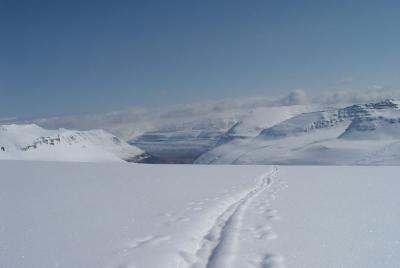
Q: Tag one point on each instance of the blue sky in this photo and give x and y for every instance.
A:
(60, 57)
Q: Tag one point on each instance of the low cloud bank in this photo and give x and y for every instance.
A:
(296, 97)
(346, 97)
(130, 123)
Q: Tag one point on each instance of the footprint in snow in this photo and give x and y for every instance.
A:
(271, 214)
(272, 261)
(179, 219)
(148, 241)
(263, 232)
(261, 209)
(187, 257)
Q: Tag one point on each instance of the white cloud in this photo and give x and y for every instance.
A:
(296, 97)
(132, 122)
(376, 93)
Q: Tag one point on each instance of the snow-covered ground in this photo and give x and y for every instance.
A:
(120, 215)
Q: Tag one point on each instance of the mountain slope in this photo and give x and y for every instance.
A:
(184, 142)
(358, 134)
(251, 132)
(31, 142)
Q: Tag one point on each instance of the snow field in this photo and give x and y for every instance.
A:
(120, 215)
(115, 214)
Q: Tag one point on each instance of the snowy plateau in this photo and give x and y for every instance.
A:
(121, 215)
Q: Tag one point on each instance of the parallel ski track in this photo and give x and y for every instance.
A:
(219, 245)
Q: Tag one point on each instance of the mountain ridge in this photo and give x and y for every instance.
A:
(340, 136)
(31, 142)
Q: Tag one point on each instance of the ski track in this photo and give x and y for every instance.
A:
(218, 247)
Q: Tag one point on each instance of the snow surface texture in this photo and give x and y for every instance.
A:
(366, 134)
(31, 142)
(119, 215)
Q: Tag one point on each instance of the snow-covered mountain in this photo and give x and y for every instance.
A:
(31, 142)
(130, 123)
(357, 134)
(287, 130)
(184, 142)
